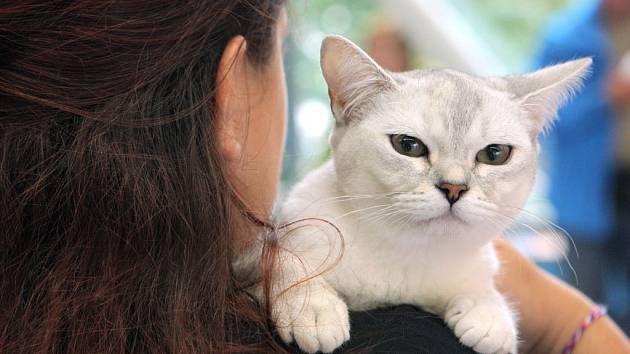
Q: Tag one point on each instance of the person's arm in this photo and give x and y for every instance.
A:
(551, 311)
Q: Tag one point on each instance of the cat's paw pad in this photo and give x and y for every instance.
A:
(317, 319)
(482, 323)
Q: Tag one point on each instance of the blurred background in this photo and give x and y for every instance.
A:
(577, 222)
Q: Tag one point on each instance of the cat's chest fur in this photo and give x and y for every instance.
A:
(381, 265)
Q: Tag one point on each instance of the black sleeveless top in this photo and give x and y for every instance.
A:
(399, 330)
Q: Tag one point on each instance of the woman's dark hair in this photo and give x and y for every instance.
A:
(116, 218)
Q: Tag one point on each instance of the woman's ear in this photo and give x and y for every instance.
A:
(231, 100)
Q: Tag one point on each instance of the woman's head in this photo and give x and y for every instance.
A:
(129, 134)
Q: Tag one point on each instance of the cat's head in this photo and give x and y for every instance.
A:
(439, 148)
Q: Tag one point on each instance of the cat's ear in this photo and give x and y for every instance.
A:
(353, 78)
(543, 92)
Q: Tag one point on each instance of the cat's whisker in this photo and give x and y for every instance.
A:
(499, 226)
(361, 210)
(401, 221)
(553, 229)
(383, 217)
(392, 216)
(558, 240)
(376, 213)
(547, 223)
(346, 198)
(514, 222)
(408, 220)
(555, 237)
(397, 217)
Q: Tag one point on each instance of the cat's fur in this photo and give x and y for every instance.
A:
(402, 241)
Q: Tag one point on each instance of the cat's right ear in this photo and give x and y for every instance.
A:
(353, 78)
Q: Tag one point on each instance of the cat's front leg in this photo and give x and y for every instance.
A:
(483, 321)
(312, 315)
(305, 309)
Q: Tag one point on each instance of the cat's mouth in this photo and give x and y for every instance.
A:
(447, 217)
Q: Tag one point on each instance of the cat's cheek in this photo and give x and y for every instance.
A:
(403, 176)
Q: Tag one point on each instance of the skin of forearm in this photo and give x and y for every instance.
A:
(559, 314)
(552, 311)
(520, 282)
(572, 307)
(604, 336)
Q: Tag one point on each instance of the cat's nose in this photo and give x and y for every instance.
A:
(452, 192)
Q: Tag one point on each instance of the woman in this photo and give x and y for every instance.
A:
(140, 147)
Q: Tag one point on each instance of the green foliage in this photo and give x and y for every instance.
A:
(310, 21)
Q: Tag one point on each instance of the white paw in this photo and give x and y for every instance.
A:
(314, 316)
(483, 323)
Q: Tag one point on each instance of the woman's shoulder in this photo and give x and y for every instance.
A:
(400, 329)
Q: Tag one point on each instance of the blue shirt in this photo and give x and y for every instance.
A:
(580, 147)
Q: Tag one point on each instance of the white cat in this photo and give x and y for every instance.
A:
(428, 167)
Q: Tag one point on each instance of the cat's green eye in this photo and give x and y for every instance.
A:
(409, 146)
(495, 154)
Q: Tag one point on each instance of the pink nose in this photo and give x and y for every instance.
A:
(452, 192)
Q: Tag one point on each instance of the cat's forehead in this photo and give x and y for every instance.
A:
(457, 95)
(452, 106)
(445, 78)
(455, 91)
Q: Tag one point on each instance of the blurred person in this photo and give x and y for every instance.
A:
(387, 46)
(619, 93)
(581, 146)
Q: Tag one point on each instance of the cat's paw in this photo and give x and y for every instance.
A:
(314, 317)
(483, 323)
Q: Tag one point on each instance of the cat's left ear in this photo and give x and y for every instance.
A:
(543, 92)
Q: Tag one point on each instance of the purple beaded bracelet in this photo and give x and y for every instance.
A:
(597, 312)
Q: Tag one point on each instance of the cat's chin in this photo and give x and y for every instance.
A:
(450, 221)
(446, 218)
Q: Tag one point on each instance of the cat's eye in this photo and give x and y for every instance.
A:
(494, 154)
(409, 146)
